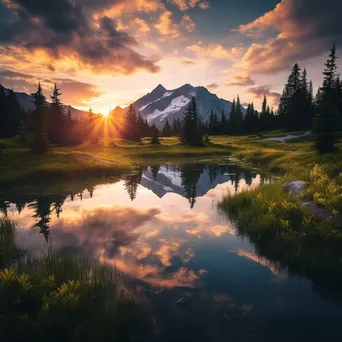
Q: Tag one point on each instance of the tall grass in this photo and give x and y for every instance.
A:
(282, 231)
(58, 297)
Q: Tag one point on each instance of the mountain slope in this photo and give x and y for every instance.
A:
(162, 104)
(27, 103)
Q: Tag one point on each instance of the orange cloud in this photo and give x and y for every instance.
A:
(188, 23)
(166, 26)
(303, 32)
(241, 81)
(184, 5)
(215, 50)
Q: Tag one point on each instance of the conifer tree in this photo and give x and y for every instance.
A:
(40, 136)
(190, 131)
(57, 122)
(235, 121)
(155, 135)
(167, 131)
(327, 120)
(130, 131)
(223, 125)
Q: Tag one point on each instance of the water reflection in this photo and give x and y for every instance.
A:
(159, 225)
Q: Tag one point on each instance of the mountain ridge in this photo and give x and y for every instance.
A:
(162, 104)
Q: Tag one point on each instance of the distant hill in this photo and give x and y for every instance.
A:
(27, 102)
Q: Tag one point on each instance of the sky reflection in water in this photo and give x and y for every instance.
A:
(161, 228)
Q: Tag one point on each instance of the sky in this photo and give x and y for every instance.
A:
(104, 53)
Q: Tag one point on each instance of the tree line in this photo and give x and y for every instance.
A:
(298, 110)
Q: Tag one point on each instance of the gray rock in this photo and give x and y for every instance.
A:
(295, 188)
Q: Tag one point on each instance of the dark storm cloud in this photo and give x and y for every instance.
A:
(307, 28)
(62, 29)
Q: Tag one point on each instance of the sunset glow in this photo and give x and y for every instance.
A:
(118, 52)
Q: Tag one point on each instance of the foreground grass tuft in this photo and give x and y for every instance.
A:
(61, 298)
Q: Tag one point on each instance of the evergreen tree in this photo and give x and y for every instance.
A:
(130, 131)
(211, 127)
(223, 125)
(40, 136)
(10, 114)
(235, 121)
(327, 120)
(190, 131)
(57, 122)
(167, 131)
(248, 124)
(155, 135)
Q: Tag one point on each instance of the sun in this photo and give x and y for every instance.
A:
(106, 115)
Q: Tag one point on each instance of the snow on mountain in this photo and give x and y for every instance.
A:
(27, 103)
(162, 104)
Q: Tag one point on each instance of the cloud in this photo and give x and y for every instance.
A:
(184, 5)
(188, 62)
(62, 30)
(103, 231)
(241, 81)
(188, 23)
(73, 92)
(306, 29)
(264, 90)
(214, 50)
(212, 86)
(166, 26)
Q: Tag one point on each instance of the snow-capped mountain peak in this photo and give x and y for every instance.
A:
(161, 104)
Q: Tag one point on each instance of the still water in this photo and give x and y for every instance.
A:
(199, 280)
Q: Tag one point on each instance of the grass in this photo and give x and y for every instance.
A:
(19, 166)
(284, 232)
(58, 297)
(278, 224)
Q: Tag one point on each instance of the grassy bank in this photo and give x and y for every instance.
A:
(281, 228)
(19, 166)
(59, 297)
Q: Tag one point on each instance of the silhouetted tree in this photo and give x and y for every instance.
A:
(190, 131)
(40, 135)
(327, 121)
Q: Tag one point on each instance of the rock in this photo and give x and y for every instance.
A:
(295, 188)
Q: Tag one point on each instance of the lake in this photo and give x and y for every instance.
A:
(198, 279)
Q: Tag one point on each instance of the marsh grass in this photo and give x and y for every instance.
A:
(60, 297)
(284, 232)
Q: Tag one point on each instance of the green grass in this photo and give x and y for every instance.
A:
(19, 166)
(284, 232)
(58, 297)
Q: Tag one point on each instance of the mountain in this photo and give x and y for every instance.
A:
(27, 103)
(162, 104)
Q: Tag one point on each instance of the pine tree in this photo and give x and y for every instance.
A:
(327, 120)
(223, 125)
(130, 131)
(248, 124)
(57, 120)
(211, 127)
(190, 131)
(155, 135)
(235, 121)
(167, 131)
(40, 136)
